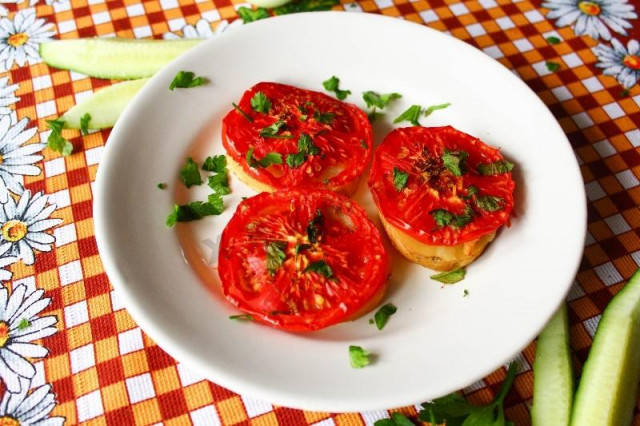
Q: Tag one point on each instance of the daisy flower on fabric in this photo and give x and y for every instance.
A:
(592, 17)
(16, 157)
(20, 409)
(620, 62)
(202, 29)
(19, 326)
(7, 95)
(22, 226)
(20, 38)
(4, 274)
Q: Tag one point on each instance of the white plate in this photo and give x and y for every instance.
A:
(439, 341)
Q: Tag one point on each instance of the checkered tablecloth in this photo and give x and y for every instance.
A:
(69, 349)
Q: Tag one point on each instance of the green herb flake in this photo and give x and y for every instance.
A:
(489, 203)
(275, 256)
(248, 15)
(332, 85)
(303, 117)
(272, 131)
(84, 123)
(298, 6)
(189, 174)
(272, 158)
(552, 66)
(24, 324)
(397, 419)
(219, 183)
(364, 144)
(461, 220)
(454, 161)
(358, 357)
(383, 314)
(320, 267)
(412, 115)
(217, 163)
(400, 179)
(471, 191)
(450, 277)
(306, 145)
(315, 227)
(553, 40)
(465, 293)
(442, 217)
(162, 186)
(495, 168)
(195, 210)
(373, 115)
(55, 141)
(324, 117)
(433, 108)
(375, 100)
(260, 103)
(242, 113)
(296, 160)
(186, 80)
(245, 317)
(301, 248)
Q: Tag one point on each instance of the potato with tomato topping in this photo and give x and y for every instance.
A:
(441, 194)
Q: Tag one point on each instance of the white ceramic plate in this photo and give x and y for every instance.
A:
(439, 341)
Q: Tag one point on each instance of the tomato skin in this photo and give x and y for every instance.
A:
(345, 141)
(293, 298)
(430, 187)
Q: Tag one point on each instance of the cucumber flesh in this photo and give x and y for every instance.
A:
(114, 58)
(104, 106)
(607, 392)
(553, 374)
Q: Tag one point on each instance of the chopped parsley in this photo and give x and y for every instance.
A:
(84, 123)
(296, 160)
(358, 357)
(397, 419)
(465, 293)
(495, 168)
(315, 227)
(55, 141)
(162, 186)
(450, 277)
(364, 144)
(270, 159)
(260, 103)
(375, 100)
(332, 84)
(320, 267)
(553, 40)
(186, 80)
(297, 6)
(324, 117)
(455, 161)
(248, 15)
(189, 174)
(383, 314)
(399, 179)
(305, 147)
(489, 203)
(24, 324)
(275, 256)
(302, 247)
(272, 131)
(195, 210)
(471, 191)
(432, 108)
(412, 115)
(245, 317)
(219, 183)
(241, 112)
(444, 218)
(217, 163)
(552, 66)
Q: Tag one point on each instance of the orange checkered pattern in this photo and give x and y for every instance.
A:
(105, 370)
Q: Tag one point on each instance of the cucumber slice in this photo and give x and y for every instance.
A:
(607, 392)
(104, 106)
(113, 58)
(553, 374)
(268, 4)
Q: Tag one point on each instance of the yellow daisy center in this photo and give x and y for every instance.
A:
(14, 230)
(17, 40)
(9, 421)
(632, 61)
(4, 336)
(590, 8)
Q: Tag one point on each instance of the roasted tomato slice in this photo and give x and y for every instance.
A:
(302, 260)
(440, 185)
(280, 136)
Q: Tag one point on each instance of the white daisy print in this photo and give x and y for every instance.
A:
(620, 62)
(17, 158)
(7, 96)
(4, 274)
(592, 17)
(20, 38)
(202, 29)
(22, 226)
(19, 326)
(20, 409)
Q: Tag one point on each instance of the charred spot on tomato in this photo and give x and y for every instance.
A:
(315, 226)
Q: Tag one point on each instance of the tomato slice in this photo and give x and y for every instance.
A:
(457, 188)
(336, 146)
(302, 260)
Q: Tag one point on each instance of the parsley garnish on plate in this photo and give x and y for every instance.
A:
(455, 161)
(245, 317)
(195, 210)
(305, 147)
(321, 268)
(162, 186)
(399, 179)
(219, 183)
(242, 113)
(297, 6)
(55, 141)
(332, 85)
(84, 123)
(324, 117)
(432, 108)
(272, 131)
(270, 159)
(275, 256)
(248, 15)
(358, 357)
(189, 174)
(450, 277)
(377, 101)
(260, 103)
(444, 218)
(383, 314)
(495, 168)
(186, 80)
(216, 163)
(412, 115)
(397, 419)
(489, 203)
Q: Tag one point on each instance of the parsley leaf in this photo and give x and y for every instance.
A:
(219, 183)
(55, 141)
(441, 217)
(444, 218)
(411, 115)
(248, 15)
(84, 123)
(275, 256)
(397, 419)
(432, 108)
(375, 100)
(260, 103)
(217, 163)
(296, 160)
(302, 247)
(383, 314)
(471, 191)
(553, 40)
(24, 324)
(241, 112)
(189, 174)
(552, 66)
(399, 179)
(315, 227)
(324, 117)
(332, 84)
(358, 357)
(495, 168)
(245, 317)
(450, 277)
(305, 6)
(455, 161)
(270, 159)
(272, 131)
(364, 144)
(465, 293)
(195, 210)
(489, 203)
(162, 186)
(321, 268)
(461, 220)
(186, 80)
(306, 145)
